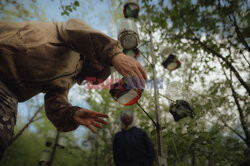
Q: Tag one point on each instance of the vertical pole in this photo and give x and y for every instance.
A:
(54, 150)
(161, 161)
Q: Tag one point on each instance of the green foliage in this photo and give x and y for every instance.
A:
(12, 10)
(67, 9)
(215, 136)
(27, 150)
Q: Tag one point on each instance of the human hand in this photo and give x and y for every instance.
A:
(90, 118)
(129, 67)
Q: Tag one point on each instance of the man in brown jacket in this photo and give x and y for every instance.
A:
(50, 57)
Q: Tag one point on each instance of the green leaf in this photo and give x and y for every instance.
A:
(76, 3)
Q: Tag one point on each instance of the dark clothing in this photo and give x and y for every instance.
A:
(133, 147)
(50, 57)
(8, 111)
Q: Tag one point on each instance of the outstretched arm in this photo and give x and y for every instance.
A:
(66, 117)
(99, 49)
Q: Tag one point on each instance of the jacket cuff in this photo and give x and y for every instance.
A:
(115, 50)
(71, 119)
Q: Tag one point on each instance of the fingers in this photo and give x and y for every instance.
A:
(83, 113)
(91, 128)
(143, 72)
(124, 65)
(131, 83)
(140, 79)
(97, 125)
(139, 73)
(101, 121)
(135, 81)
(139, 70)
(98, 114)
(91, 123)
(91, 118)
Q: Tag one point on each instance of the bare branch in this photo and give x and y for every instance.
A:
(241, 52)
(234, 131)
(27, 125)
(239, 34)
(241, 115)
(215, 53)
(225, 123)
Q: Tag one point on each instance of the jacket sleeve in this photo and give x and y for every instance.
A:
(149, 147)
(84, 39)
(59, 111)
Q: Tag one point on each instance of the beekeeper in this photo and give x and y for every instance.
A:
(50, 57)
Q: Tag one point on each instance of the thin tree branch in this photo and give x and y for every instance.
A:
(205, 46)
(27, 125)
(38, 118)
(166, 97)
(239, 34)
(242, 119)
(143, 24)
(145, 57)
(233, 130)
(241, 52)
(146, 42)
(226, 125)
(241, 115)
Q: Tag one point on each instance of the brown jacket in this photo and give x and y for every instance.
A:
(50, 57)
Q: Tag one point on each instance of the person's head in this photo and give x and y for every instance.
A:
(127, 119)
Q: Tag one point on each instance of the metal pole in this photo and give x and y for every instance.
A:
(54, 150)
(161, 160)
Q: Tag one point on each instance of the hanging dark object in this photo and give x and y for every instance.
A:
(124, 94)
(171, 63)
(181, 109)
(131, 9)
(134, 53)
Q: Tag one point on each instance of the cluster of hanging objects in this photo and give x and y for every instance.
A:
(129, 37)
(122, 91)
